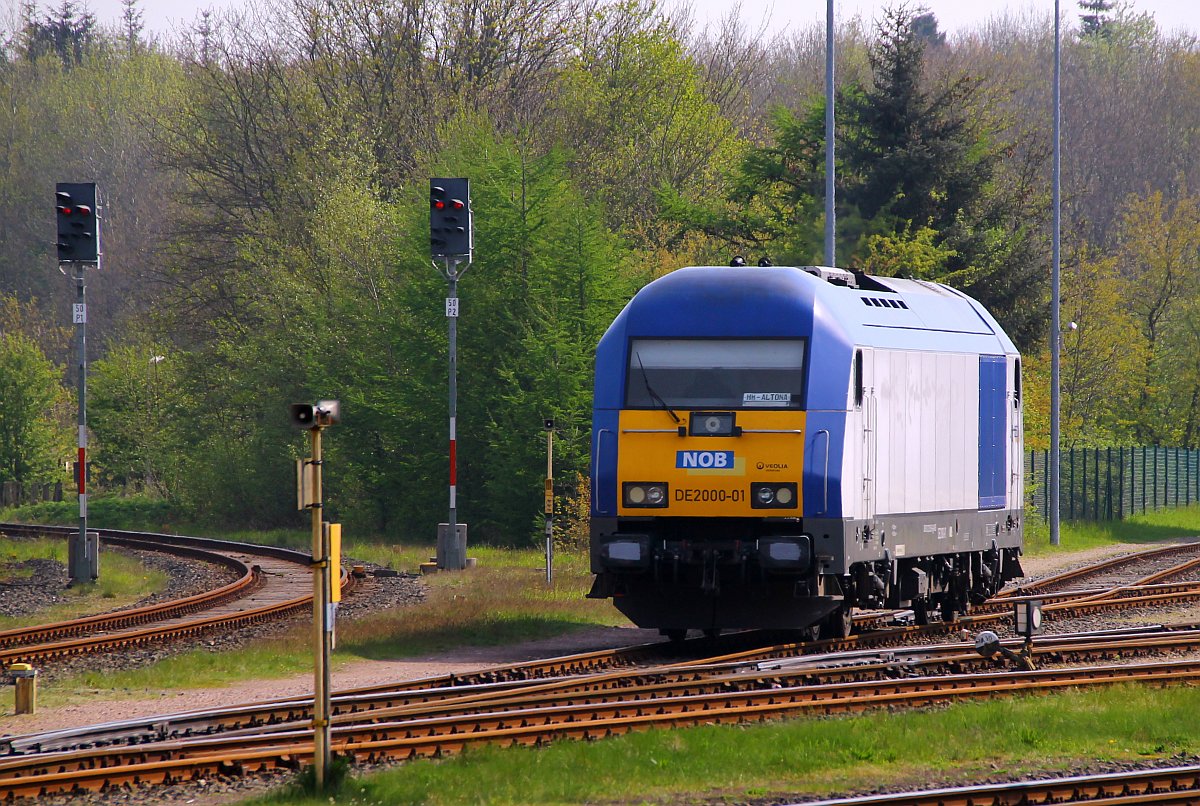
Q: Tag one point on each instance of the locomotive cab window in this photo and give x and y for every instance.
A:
(715, 373)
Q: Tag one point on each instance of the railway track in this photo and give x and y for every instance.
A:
(604, 693)
(1178, 785)
(272, 583)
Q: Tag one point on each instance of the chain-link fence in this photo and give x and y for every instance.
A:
(1099, 484)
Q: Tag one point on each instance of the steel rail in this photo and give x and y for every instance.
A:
(248, 580)
(299, 708)
(1071, 575)
(48, 774)
(668, 682)
(1156, 785)
(127, 628)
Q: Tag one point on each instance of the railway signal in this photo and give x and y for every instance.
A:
(326, 551)
(451, 239)
(450, 225)
(77, 213)
(78, 222)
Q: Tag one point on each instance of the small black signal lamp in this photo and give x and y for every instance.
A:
(323, 413)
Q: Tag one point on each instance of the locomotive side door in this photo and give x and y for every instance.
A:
(865, 402)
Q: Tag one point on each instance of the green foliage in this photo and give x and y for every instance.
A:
(132, 512)
(131, 391)
(636, 116)
(34, 440)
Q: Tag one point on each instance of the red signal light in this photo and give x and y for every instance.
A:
(64, 210)
(83, 209)
(457, 204)
(438, 204)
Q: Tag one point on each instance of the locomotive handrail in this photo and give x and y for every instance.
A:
(825, 480)
(596, 464)
(648, 430)
(772, 431)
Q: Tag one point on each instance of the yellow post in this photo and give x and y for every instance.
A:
(25, 679)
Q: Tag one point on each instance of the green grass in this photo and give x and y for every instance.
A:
(958, 744)
(123, 580)
(1152, 527)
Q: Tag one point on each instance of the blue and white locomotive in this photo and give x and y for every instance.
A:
(775, 446)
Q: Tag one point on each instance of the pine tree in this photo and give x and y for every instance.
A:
(1096, 23)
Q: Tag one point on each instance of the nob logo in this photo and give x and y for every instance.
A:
(704, 459)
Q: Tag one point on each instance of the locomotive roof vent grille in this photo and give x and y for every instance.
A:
(884, 303)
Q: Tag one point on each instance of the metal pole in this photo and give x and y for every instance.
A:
(79, 568)
(454, 558)
(549, 506)
(830, 215)
(1055, 295)
(320, 561)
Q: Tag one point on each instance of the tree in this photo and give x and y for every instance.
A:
(920, 179)
(133, 395)
(635, 113)
(1095, 22)
(925, 27)
(913, 154)
(132, 23)
(1160, 261)
(67, 33)
(32, 434)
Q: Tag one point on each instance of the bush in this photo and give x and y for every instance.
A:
(135, 513)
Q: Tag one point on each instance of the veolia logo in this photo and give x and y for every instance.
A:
(704, 459)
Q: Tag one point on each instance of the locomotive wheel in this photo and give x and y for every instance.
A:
(838, 624)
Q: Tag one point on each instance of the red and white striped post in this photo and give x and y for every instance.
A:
(452, 552)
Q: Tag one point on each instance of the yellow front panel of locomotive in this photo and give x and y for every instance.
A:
(710, 477)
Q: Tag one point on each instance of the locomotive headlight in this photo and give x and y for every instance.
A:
(773, 495)
(626, 551)
(713, 424)
(651, 494)
(785, 553)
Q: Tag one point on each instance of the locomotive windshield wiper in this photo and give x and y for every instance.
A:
(653, 394)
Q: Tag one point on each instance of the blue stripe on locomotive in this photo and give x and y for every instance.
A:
(787, 302)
